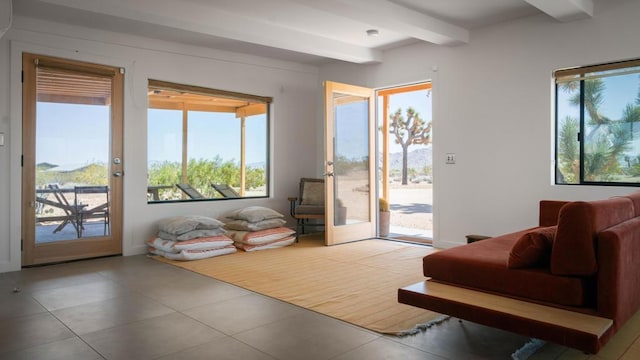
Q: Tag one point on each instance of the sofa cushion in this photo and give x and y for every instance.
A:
(573, 252)
(313, 193)
(254, 214)
(309, 210)
(483, 265)
(635, 198)
(549, 210)
(532, 249)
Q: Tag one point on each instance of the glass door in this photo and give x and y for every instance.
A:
(72, 160)
(350, 163)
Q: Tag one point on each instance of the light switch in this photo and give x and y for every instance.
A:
(1, 139)
(451, 158)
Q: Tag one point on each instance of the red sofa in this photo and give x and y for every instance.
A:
(583, 257)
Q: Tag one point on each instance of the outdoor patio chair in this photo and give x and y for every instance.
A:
(308, 208)
(191, 192)
(226, 190)
(70, 210)
(41, 195)
(84, 210)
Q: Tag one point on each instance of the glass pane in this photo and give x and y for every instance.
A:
(612, 129)
(164, 153)
(206, 146)
(256, 150)
(351, 160)
(568, 146)
(213, 151)
(73, 121)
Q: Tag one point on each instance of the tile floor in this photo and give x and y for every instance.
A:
(138, 308)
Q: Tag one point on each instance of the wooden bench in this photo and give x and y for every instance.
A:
(570, 328)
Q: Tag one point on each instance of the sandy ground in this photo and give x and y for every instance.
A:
(411, 205)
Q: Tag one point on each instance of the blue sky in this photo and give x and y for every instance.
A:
(209, 134)
(419, 100)
(72, 134)
(351, 130)
(619, 91)
(353, 134)
(76, 135)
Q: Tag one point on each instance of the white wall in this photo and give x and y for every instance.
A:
(492, 101)
(5, 208)
(294, 88)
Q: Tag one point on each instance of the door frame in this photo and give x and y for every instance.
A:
(384, 145)
(336, 234)
(33, 254)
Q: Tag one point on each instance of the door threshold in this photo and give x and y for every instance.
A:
(410, 238)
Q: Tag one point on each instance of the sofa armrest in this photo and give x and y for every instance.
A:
(549, 210)
(619, 271)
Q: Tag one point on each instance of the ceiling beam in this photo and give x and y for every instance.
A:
(205, 19)
(565, 10)
(404, 21)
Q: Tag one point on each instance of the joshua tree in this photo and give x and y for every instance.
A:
(593, 98)
(408, 130)
(568, 151)
(606, 141)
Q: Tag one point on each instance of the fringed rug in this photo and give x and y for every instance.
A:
(355, 282)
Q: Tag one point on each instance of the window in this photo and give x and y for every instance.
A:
(598, 124)
(206, 144)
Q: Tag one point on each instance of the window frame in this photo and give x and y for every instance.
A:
(253, 105)
(581, 74)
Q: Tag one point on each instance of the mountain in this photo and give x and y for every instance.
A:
(45, 166)
(418, 159)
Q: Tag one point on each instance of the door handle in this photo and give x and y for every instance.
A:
(330, 173)
(117, 174)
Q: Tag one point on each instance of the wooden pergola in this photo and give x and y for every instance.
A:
(171, 96)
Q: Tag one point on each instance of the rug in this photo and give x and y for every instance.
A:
(355, 282)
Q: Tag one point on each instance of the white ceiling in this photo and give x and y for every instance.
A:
(306, 31)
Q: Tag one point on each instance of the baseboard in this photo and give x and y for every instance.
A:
(446, 244)
(8, 266)
(136, 250)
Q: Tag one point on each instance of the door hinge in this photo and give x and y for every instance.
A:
(21, 160)
(578, 136)
(22, 76)
(21, 245)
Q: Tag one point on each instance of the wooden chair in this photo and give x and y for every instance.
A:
(84, 212)
(309, 205)
(191, 192)
(226, 190)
